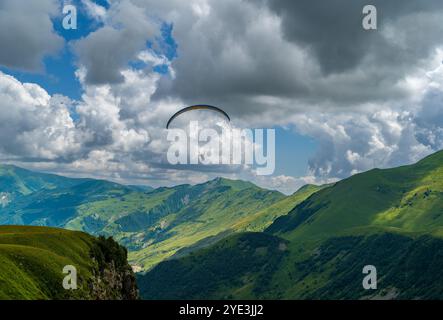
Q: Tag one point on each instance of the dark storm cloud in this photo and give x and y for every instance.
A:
(26, 33)
(333, 30)
(228, 59)
(253, 56)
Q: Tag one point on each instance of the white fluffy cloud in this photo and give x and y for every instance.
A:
(381, 135)
(32, 123)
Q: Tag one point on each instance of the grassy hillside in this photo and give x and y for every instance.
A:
(261, 266)
(260, 220)
(32, 260)
(391, 218)
(221, 271)
(408, 198)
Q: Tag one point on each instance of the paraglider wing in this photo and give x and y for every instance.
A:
(197, 107)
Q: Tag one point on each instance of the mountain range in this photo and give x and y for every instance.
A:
(230, 239)
(153, 224)
(391, 219)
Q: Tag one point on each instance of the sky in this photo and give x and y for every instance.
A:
(94, 101)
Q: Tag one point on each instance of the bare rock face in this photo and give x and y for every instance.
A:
(113, 278)
(113, 284)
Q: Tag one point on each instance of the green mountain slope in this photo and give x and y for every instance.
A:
(32, 261)
(389, 218)
(260, 220)
(262, 266)
(407, 198)
(223, 270)
(221, 207)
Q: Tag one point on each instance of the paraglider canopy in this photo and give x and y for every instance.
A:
(197, 107)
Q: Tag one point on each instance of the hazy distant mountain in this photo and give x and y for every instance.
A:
(16, 181)
(142, 188)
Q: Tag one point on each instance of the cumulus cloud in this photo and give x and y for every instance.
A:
(230, 60)
(27, 34)
(34, 124)
(365, 96)
(352, 143)
(105, 52)
(301, 53)
(382, 135)
(370, 99)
